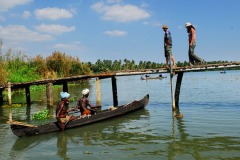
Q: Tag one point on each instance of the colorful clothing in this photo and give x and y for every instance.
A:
(167, 44)
(82, 105)
(167, 39)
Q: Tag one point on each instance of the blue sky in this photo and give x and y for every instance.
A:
(119, 29)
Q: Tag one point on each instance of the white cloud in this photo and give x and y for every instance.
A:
(26, 14)
(120, 13)
(21, 33)
(8, 4)
(54, 28)
(153, 23)
(75, 46)
(113, 1)
(53, 13)
(116, 33)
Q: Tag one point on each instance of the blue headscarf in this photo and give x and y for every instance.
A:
(64, 95)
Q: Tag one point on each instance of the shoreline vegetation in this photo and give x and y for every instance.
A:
(18, 67)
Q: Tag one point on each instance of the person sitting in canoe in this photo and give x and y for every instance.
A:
(84, 102)
(62, 111)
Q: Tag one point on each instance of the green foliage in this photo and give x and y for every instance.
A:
(23, 74)
(65, 65)
(40, 115)
(40, 66)
(3, 74)
(14, 105)
(109, 66)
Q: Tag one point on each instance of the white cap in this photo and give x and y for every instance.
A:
(188, 24)
(85, 91)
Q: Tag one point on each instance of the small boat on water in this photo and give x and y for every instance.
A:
(146, 77)
(223, 72)
(21, 129)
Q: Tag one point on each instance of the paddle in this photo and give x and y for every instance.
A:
(20, 123)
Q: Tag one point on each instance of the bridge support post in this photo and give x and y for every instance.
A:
(114, 91)
(177, 90)
(171, 82)
(65, 87)
(172, 93)
(9, 94)
(1, 97)
(98, 92)
(49, 94)
(27, 93)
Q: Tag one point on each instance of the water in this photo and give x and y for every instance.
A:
(209, 129)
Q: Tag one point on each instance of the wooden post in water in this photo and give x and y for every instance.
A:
(9, 94)
(114, 91)
(49, 94)
(177, 90)
(171, 82)
(27, 93)
(1, 97)
(65, 87)
(98, 92)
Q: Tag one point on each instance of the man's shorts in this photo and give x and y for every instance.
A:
(167, 51)
(64, 120)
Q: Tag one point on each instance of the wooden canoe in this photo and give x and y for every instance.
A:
(22, 130)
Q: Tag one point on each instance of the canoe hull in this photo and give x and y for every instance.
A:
(20, 130)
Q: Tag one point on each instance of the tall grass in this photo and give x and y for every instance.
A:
(3, 73)
(18, 67)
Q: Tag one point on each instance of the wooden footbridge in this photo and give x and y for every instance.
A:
(178, 71)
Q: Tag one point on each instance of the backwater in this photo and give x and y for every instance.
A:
(209, 129)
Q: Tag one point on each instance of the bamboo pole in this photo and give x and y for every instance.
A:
(98, 92)
(9, 94)
(171, 81)
(49, 94)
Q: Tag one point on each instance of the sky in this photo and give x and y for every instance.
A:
(120, 29)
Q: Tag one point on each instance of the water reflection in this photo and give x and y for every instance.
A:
(86, 135)
(208, 130)
(122, 136)
(63, 139)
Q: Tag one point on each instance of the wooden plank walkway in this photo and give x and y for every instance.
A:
(64, 81)
(59, 81)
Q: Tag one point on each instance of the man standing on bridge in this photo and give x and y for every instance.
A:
(192, 44)
(168, 46)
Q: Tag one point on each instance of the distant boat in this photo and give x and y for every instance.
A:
(223, 71)
(146, 77)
